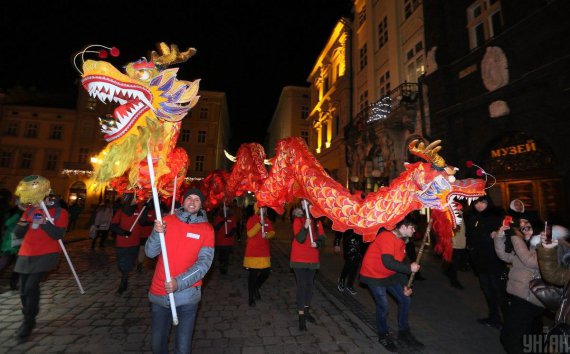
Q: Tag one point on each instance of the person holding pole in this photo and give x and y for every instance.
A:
(39, 253)
(124, 225)
(257, 256)
(226, 228)
(384, 271)
(189, 242)
(308, 237)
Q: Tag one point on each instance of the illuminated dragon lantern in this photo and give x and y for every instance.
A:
(151, 104)
(296, 173)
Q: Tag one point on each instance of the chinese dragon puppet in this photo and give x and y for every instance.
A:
(152, 103)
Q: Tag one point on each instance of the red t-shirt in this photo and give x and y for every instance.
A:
(221, 238)
(385, 243)
(125, 222)
(36, 241)
(183, 243)
(303, 252)
(258, 246)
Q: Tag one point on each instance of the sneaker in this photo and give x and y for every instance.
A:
(351, 290)
(408, 338)
(340, 285)
(387, 342)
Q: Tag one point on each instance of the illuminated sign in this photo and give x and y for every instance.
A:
(518, 149)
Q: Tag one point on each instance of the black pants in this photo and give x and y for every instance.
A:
(305, 279)
(30, 295)
(102, 235)
(522, 318)
(224, 257)
(256, 279)
(457, 262)
(493, 287)
(349, 270)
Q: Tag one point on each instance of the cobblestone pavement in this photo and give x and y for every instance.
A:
(100, 321)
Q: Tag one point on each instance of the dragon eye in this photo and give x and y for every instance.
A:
(451, 179)
(143, 75)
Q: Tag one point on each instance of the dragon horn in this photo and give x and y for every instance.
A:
(428, 153)
(170, 55)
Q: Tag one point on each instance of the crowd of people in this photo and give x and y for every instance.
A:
(506, 254)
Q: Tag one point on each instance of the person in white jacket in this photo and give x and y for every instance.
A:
(103, 217)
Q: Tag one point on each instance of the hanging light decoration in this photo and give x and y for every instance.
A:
(380, 109)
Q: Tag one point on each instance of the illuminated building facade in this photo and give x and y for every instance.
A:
(330, 104)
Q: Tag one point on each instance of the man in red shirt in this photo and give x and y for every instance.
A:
(189, 242)
(384, 270)
(127, 241)
(226, 228)
(38, 255)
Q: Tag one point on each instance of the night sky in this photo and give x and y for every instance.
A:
(248, 49)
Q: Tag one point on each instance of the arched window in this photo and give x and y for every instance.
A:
(77, 193)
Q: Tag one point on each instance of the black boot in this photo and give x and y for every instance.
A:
(251, 301)
(302, 323)
(340, 285)
(308, 316)
(124, 283)
(26, 328)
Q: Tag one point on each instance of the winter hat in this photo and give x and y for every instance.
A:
(197, 192)
(512, 205)
(483, 199)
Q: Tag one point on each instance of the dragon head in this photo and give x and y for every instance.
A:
(146, 89)
(438, 187)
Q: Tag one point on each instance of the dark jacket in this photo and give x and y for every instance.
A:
(478, 229)
(352, 245)
(552, 271)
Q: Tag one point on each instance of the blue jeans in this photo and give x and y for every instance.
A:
(381, 299)
(161, 322)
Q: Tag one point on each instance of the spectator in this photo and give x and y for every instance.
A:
(103, 217)
(353, 251)
(74, 211)
(490, 270)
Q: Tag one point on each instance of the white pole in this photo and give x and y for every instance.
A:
(137, 219)
(174, 195)
(306, 207)
(262, 222)
(225, 217)
(161, 236)
(48, 216)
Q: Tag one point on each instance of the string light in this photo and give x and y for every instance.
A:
(76, 172)
(380, 109)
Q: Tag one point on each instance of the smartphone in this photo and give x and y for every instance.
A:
(548, 232)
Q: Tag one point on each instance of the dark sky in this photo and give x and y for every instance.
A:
(248, 49)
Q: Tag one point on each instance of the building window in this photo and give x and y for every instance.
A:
(26, 161)
(363, 57)
(410, 6)
(362, 17)
(363, 100)
(11, 129)
(383, 33)
(305, 136)
(415, 66)
(6, 159)
(335, 126)
(202, 136)
(304, 112)
(83, 155)
(384, 84)
(56, 132)
(484, 21)
(31, 130)
(326, 84)
(199, 163)
(51, 161)
(204, 113)
(185, 135)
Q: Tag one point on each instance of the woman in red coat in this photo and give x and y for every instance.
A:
(257, 257)
(305, 261)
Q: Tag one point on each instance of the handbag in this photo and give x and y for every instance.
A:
(549, 295)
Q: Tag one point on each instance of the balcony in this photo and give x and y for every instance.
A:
(397, 109)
